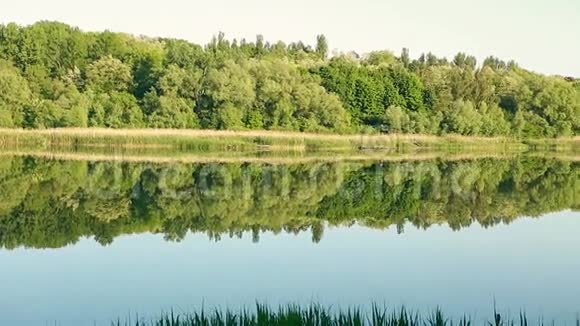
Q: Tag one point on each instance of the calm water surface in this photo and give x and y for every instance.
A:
(84, 242)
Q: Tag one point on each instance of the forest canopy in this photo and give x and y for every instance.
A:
(54, 75)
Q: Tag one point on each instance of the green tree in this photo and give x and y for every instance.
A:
(321, 46)
(147, 68)
(115, 110)
(493, 121)
(405, 58)
(397, 120)
(180, 82)
(378, 58)
(55, 75)
(462, 118)
(169, 111)
(230, 92)
(109, 74)
(15, 96)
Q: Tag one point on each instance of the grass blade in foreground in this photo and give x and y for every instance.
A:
(317, 315)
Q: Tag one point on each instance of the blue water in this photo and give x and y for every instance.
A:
(532, 264)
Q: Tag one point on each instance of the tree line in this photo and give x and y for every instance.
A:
(54, 75)
(51, 204)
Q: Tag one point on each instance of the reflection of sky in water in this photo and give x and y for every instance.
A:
(532, 264)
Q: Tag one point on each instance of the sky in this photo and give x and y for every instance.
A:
(540, 35)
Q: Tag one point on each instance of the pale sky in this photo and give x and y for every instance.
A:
(542, 35)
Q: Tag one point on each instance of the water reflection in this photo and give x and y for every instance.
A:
(51, 204)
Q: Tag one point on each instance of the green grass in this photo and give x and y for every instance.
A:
(317, 315)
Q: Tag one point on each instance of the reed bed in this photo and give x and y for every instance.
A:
(239, 140)
(317, 315)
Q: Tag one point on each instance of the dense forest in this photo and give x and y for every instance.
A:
(50, 204)
(55, 75)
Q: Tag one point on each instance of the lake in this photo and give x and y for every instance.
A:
(88, 241)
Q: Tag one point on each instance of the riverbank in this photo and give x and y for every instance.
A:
(222, 140)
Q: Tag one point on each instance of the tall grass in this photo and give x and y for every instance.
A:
(317, 315)
(239, 140)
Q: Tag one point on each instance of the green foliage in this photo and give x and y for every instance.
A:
(464, 61)
(322, 46)
(397, 120)
(184, 83)
(147, 67)
(115, 110)
(379, 58)
(493, 121)
(462, 118)
(169, 111)
(231, 91)
(54, 75)
(56, 46)
(15, 96)
(109, 74)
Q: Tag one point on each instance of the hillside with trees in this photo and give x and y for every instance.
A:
(53, 75)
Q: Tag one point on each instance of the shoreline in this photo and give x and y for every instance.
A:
(249, 158)
(226, 140)
(276, 158)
